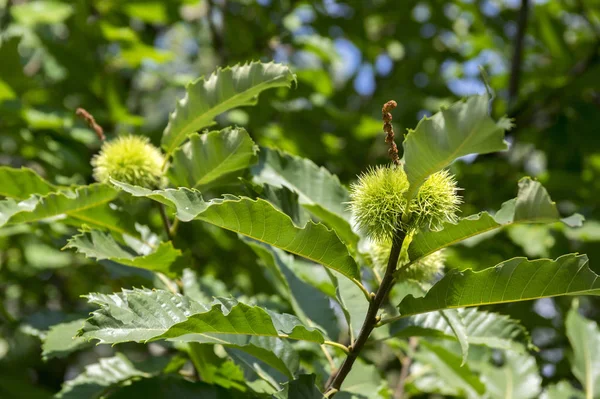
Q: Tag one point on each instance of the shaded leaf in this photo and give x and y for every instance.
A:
(461, 129)
(319, 191)
(517, 378)
(584, 337)
(562, 390)
(69, 202)
(257, 219)
(22, 183)
(447, 366)
(514, 280)
(101, 246)
(301, 388)
(223, 90)
(532, 205)
(480, 327)
(173, 387)
(309, 304)
(62, 340)
(97, 377)
(209, 156)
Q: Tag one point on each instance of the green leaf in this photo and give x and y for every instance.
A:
(100, 246)
(228, 316)
(22, 183)
(447, 366)
(532, 205)
(143, 315)
(98, 377)
(584, 337)
(480, 327)
(225, 89)
(517, 378)
(461, 129)
(275, 352)
(457, 326)
(308, 303)
(174, 387)
(364, 381)
(319, 191)
(514, 280)
(209, 156)
(257, 219)
(562, 390)
(62, 340)
(69, 202)
(301, 388)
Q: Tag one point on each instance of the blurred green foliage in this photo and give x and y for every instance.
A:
(127, 62)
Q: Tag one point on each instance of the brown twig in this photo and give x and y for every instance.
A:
(371, 318)
(406, 362)
(89, 119)
(389, 130)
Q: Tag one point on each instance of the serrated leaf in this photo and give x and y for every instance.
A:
(514, 280)
(62, 340)
(308, 303)
(461, 129)
(223, 90)
(228, 316)
(68, 203)
(481, 328)
(532, 205)
(97, 377)
(319, 191)
(584, 337)
(517, 378)
(260, 220)
(22, 183)
(100, 246)
(209, 156)
(447, 366)
(143, 315)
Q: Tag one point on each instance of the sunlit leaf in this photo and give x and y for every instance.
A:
(532, 205)
(223, 90)
(259, 220)
(209, 156)
(514, 280)
(584, 337)
(97, 245)
(461, 129)
(143, 315)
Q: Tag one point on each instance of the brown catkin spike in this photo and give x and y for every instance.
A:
(389, 130)
(89, 119)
